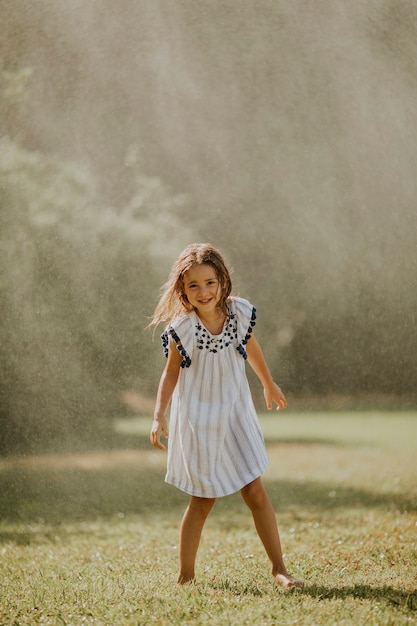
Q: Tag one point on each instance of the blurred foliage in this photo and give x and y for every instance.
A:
(282, 132)
(77, 283)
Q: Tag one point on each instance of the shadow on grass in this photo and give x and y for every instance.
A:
(71, 495)
(332, 496)
(55, 496)
(385, 594)
(388, 595)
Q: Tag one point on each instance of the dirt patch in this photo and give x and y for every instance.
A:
(137, 402)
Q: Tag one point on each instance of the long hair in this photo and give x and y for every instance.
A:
(173, 301)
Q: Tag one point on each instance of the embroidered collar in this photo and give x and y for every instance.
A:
(213, 343)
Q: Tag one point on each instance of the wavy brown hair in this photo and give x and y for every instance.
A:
(173, 301)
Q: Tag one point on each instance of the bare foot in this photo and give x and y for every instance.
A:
(288, 582)
(183, 580)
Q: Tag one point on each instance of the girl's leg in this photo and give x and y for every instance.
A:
(258, 501)
(190, 534)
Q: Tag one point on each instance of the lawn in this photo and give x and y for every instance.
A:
(90, 537)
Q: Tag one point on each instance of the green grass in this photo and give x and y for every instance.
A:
(91, 537)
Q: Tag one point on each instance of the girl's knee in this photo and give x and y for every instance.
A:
(202, 505)
(254, 494)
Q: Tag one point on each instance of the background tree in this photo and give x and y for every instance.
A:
(77, 282)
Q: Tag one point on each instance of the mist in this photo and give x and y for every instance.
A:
(284, 133)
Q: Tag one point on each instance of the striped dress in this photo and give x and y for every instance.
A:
(215, 444)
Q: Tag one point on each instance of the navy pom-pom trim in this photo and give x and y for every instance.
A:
(164, 340)
(252, 323)
(186, 361)
(242, 351)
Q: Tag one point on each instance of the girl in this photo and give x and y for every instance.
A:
(216, 445)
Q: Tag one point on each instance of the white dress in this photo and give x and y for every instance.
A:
(215, 444)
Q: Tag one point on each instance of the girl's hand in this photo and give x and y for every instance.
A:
(272, 393)
(159, 427)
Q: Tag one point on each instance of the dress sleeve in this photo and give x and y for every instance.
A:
(246, 320)
(181, 332)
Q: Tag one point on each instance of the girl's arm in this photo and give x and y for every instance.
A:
(165, 389)
(256, 360)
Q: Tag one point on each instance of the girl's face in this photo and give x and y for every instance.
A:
(202, 288)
